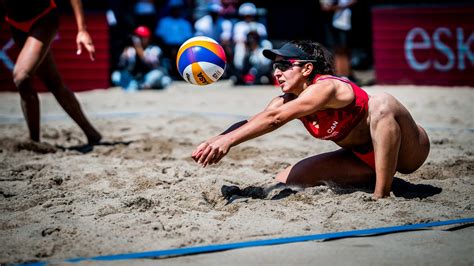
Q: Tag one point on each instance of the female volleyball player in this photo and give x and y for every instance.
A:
(377, 134)
(34, 25)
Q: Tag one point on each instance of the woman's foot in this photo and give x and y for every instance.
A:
(94, 138)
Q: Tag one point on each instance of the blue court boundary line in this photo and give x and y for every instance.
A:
(265, 242)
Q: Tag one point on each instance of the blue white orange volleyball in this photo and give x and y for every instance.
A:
(201, 60)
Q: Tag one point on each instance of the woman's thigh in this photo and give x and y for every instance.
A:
(414, 142)
(340, 167)
(36, 43)
(414, 146)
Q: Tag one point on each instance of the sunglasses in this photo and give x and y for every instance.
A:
(284, 65)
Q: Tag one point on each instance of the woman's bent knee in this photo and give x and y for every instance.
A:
(380, 107)
(282, 178)
(22, 79)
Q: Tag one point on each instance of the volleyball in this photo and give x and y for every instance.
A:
(201, 60)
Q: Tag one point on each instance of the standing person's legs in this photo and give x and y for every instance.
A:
(48, 73)
(156, 79)
(35, 58)
(342, 57)
(34, 46)
(125, 79)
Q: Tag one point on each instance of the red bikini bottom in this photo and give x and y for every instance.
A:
(25, 26)
(367, 157)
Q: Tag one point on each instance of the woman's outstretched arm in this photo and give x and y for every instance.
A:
(212, 151)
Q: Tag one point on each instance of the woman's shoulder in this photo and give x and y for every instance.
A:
(338, 91)
(331, 82)
(328, 93)
(323, 84)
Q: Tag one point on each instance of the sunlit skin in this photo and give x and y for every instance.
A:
(35, 58)
(399, 143)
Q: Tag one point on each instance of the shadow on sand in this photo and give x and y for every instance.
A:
(86, 148)
(407, 190)
(231, 193)
(400, 188)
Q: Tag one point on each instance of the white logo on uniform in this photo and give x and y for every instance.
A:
(333, 127)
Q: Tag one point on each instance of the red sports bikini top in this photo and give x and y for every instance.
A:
(336, 124)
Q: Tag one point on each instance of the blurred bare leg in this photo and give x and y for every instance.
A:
(31, 55)
(49, 74)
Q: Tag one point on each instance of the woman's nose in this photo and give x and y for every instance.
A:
(277, 72)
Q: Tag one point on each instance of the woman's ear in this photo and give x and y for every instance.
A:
(308, 69)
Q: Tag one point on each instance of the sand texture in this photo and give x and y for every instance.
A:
(140, 190)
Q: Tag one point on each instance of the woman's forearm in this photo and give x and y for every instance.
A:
(78, 14)
(258, 125)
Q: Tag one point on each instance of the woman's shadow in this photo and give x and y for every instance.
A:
(400, 188)
(86, 148)
(407, 190)
(273, 192)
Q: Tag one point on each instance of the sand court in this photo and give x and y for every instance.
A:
(141, 191)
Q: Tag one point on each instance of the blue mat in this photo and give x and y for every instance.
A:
(265, 242)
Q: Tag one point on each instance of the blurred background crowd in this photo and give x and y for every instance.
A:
(145, 35)
(155, 30)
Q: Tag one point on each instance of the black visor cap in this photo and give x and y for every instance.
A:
(287, 51)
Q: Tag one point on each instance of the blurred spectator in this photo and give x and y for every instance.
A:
(214, 26)
(248, 13)
(229, 9)
(121, 23)
(201, 8)
(145, 13)
(338, 32)
(172, 31)
(244, 47)
(139, 66)
(163, 8)
(252, 67)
